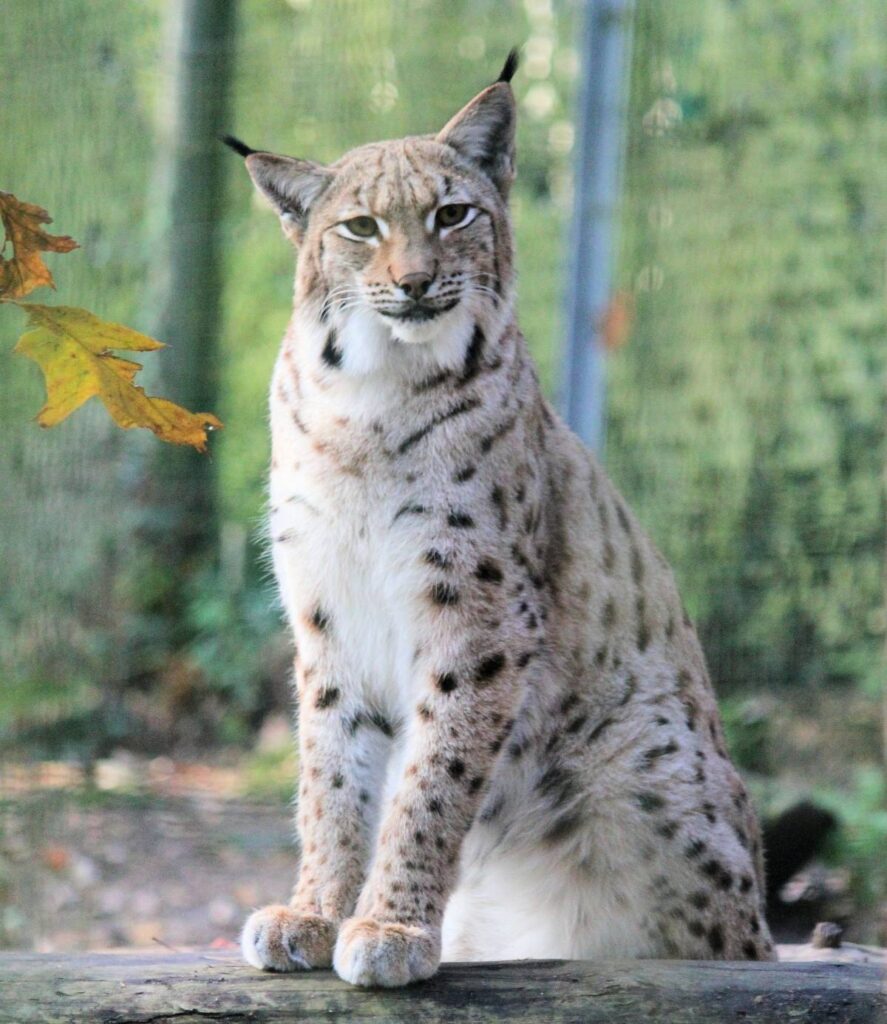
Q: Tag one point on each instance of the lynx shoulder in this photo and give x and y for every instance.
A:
(508, 743)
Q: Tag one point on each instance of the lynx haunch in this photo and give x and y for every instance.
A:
(508, 743)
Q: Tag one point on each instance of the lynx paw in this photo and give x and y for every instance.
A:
(370, 952)
(277, 938)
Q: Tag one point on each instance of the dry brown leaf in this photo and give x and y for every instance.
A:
(25, 270)
(72, 348)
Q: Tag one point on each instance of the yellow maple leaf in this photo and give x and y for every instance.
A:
(25, 270)
(72, 348)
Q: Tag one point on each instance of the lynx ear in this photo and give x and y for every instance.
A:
(483, 130)
(291, 185)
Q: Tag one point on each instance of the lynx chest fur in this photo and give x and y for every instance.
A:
(508, 743)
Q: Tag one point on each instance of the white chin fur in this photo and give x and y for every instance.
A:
(370, 342)
(441, 341)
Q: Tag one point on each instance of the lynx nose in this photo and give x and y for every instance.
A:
(415, 285)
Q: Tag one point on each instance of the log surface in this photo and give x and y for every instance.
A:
(153, 988)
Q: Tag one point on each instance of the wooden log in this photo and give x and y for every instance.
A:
(152, 988)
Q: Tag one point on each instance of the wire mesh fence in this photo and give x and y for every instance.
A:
(745, 406)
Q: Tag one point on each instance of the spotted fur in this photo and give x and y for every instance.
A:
(509, 746)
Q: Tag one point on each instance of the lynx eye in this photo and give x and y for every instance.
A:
(361, 227)
(453, 214)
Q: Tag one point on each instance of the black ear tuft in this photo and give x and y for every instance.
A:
(511, 62)
(239, 147)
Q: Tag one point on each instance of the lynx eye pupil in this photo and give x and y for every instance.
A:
(363, 227)
(451, 214)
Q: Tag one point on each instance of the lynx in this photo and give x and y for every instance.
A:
(508, 743)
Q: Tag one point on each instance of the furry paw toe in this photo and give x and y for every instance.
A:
(370, 952)
(278, 938)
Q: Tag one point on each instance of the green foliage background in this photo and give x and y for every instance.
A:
(745, 414)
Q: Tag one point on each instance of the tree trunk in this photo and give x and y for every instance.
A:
(179, 523)
(192, 170)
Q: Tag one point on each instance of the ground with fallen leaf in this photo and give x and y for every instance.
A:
(152, 852)
(83, 870)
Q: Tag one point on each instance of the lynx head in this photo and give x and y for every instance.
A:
(411, 236)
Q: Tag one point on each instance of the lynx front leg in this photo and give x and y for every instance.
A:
(457, 731)
(341, 755)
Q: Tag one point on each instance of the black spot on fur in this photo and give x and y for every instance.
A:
(668, 829)
(460, 520)
(490, 667)
(631, 686)
(432, 382)
(651, 756)
(320, 619)
(447, 682)
(456, 768)
(498, 497)
(622, 516)
(695, 848)
(410, 509)
(558, 785)
(562, 828)
(649, 802)
(465, 474)
(466, 405)
(435, 557)
(699, 899)
(637, 566)
(569, 702)
(643, 635)
(750, 950)
(745, 883)
(331, 354)
(443, 594)
(327, 698)
(599, 729)
(576, 724)
(716, 871)
(338, 781)
(716, 938)
(488, 571)
(380, 722)
(505, 427)
(471, 366)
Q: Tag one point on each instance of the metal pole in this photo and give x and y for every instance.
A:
(606, 48)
